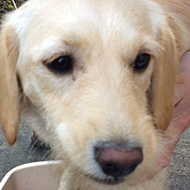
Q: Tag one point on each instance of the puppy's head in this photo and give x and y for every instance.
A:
(102, 76)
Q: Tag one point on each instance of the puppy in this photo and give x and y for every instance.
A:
(98, 79)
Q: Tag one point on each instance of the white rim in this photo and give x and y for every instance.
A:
(24, 166)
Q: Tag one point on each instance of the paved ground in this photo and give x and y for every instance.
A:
(24, 152)
(180, 165)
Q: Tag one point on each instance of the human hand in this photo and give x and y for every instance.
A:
(181, 118)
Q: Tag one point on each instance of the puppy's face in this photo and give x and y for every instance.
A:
(92, 69)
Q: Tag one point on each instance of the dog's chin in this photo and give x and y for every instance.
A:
(108, 180)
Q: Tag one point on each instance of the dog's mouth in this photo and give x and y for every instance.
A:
(108, 180)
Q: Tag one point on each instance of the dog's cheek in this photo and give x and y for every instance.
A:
(70, 145)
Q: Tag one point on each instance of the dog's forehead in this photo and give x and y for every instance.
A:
(111, 15)
(74, 22)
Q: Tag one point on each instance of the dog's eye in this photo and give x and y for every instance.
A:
(63, 64)
(141, 62)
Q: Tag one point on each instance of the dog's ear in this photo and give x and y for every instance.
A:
(9, 92)
(164, 80)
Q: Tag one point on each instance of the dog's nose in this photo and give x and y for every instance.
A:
(117, 163)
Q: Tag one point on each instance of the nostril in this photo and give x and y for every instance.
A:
(117, 163)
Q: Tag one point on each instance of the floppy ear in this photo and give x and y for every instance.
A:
(9, 92)
(164, 81)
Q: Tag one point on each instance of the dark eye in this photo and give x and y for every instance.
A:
(61, 65)
(141, 62)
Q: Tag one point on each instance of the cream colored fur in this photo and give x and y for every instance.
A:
(103, 99)
(76, 181)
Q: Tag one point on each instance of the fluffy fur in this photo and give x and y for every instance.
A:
(102, 99)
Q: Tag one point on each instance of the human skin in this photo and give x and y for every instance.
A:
(181, 117)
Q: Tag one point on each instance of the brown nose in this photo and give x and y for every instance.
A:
(117, 163)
